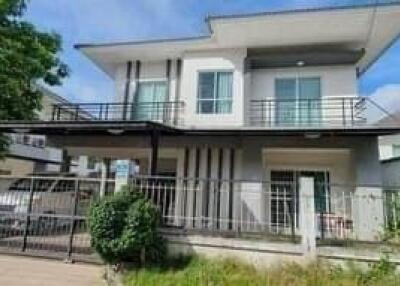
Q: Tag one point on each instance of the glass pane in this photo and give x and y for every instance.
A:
(206, 106)
(321, 190)
(158, 107)
(285, 93)
(224, 106)
(283, 203)
(160, 92)
(145, 92)
(309, 100)
(224, 90)
(396, 150)
(285, 89)
(309, 88)
(206, 85)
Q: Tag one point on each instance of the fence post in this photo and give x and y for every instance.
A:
(28, 215)
(73, 222)
(104, 175)
(307, 216)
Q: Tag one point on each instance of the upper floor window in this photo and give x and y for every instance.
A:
(91, 162)
(396, 150)
(214, 93)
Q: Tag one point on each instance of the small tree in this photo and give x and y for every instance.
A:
(124, 228)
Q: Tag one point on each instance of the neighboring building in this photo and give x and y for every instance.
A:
(389, 147)
(238, 117)
(389, 152)
(29, 153)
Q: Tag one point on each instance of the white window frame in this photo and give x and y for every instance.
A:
(215, 98)
(297, 79)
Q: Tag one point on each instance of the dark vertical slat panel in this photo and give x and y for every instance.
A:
(196, 181)
(168, 76)
(166, 108)
(127, 88)
(136, 91)
(185, 182)
(220, 163)
(206, 196)
(178, 79)
(231, 178)
(154, 153)
(177, 90)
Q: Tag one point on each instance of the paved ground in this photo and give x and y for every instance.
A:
(26, 271)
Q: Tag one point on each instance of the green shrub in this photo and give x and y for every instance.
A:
(392, 229)
(123, 227)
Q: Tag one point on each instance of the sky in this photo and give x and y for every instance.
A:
(99, 21)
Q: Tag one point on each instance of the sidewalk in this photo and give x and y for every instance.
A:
(26, 271)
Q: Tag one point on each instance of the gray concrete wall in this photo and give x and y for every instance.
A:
(391, 173)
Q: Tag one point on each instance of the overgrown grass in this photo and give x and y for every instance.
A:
(199, 271)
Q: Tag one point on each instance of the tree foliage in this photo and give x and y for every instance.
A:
(26, 57)
(124, 226)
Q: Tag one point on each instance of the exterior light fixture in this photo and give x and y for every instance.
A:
(300, 63)
(115, 131)
(312, 135)
(22, 130)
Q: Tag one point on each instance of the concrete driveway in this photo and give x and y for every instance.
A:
(18, 270)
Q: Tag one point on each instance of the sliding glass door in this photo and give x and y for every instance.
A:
(150, 101)
(298, 101)
(285, 94)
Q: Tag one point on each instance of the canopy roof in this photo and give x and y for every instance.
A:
(368, 28)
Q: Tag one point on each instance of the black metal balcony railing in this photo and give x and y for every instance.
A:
(329, 111)
(163, 112)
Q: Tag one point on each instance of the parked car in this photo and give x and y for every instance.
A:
(53, 200)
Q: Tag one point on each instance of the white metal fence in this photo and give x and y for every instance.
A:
(49, 214)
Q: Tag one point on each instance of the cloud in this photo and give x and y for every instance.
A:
(388, 100)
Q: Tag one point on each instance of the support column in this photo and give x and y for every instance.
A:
(154, 153)
(307, 216)
(105, 174)
(66, 162)
(367, 202)
(252, 202)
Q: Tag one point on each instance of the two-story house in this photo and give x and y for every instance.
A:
(237, 117)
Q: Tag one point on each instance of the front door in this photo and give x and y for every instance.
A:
(284, 195)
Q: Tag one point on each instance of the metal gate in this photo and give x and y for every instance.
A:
(47, 216)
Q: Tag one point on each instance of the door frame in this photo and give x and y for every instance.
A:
(295, 168)
(297, 77)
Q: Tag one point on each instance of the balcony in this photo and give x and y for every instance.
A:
(162, 112)
(271, 113)
(326, 112)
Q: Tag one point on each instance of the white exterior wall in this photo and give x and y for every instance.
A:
(391, 171)
(222, 60)
(119, 83)
(335, 80)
